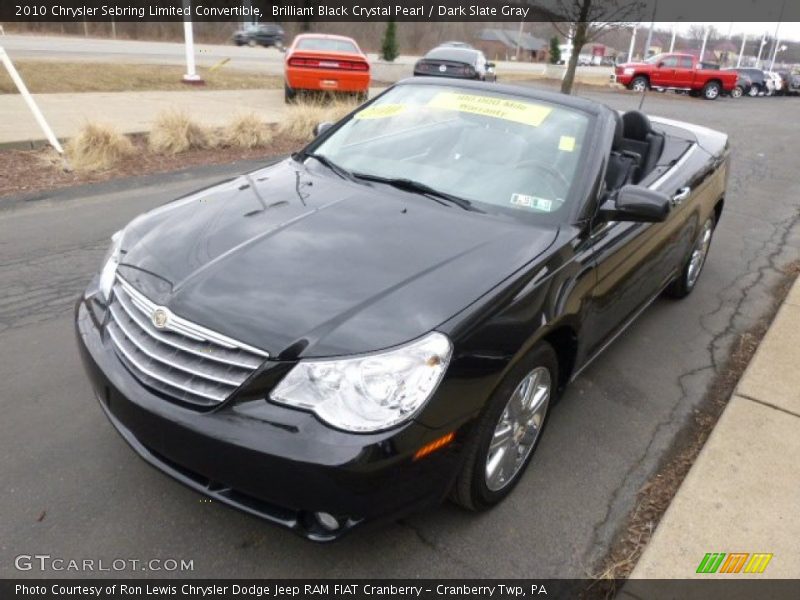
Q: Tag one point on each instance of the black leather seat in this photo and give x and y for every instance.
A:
(622, 165)
(639, 137)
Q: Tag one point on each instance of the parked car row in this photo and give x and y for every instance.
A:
(755, 82)
(685, 74)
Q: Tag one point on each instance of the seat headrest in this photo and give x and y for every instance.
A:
(636, 125)
(619, 132)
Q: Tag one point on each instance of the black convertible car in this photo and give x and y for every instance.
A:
(386, 317)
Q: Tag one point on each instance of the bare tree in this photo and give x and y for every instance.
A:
(583, 21)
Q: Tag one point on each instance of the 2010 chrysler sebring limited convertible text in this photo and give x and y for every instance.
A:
(385, 318)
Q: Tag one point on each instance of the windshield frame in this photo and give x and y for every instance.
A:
(588, 162)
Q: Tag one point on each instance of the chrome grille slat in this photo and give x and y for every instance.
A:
(165, 338)
(159, 377)
(153, 354)
(188, 326)
(181, 359)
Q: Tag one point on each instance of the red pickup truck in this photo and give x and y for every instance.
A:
(675, 72)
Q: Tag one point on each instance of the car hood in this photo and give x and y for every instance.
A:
(298, 262)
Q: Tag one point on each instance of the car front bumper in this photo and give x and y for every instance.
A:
(276, 463)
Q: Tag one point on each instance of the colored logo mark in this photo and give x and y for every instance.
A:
(734, 562)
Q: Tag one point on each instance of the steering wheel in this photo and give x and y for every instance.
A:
(550, 171)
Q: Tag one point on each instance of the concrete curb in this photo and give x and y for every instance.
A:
(743, 491)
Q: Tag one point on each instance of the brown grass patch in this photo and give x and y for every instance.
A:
(97, 147)
(300, 119)
(174, 131)
(45, 77)
(246, 130)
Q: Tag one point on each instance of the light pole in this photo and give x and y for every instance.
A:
(672, 42)
(741, 50)
(778, 48)
(191, 77)
(633, 41)
(777, 41)
(649, 39)
(761, 48)
(705, 39)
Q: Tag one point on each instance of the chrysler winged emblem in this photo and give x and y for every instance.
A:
(160, 317)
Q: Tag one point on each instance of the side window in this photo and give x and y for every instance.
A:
(670, 61)
(685, 62)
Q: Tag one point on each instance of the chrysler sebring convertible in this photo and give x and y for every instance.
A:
(386, 318)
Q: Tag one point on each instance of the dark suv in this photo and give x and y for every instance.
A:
(262, 34)
(758, 81)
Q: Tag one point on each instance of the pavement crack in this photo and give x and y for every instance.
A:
(758, 268)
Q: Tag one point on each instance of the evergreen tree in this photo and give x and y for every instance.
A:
(389, 45)
(555, 51)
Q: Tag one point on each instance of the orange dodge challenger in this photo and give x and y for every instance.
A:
(328, 63)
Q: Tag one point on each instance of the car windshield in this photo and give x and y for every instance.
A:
(655, 59)
(454, 54)
(503, 153)
(326, 45)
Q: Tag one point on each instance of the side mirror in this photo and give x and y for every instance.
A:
(321, 128)
(637, 203)
(490, 65)
(660, 65)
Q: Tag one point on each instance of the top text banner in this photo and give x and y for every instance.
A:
(398, 10)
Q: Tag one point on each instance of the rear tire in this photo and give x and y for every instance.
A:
(512, 408)
(690, 274)
(289, 95)
(737, 92)
(753, 91)
(711, 90)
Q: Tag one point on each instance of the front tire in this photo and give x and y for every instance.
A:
(506, 436)
(687, 280)
(737, 92)
(639, 84)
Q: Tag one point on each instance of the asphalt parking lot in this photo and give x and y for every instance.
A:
(73, 489)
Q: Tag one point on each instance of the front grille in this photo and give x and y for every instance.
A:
(178, 358)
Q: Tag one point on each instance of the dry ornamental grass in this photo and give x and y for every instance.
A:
(247, 130)
(98, 147)
(174, 132)
(299, 120)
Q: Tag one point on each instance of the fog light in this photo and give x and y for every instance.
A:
(327, 520)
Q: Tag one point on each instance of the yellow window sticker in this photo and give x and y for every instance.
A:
(566, 143)
(500, 108)
(380, 111)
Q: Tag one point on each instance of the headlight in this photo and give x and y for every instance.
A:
(628, 71)
(371, 392)
(109, 269)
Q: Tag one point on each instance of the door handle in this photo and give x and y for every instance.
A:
(681, 195)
